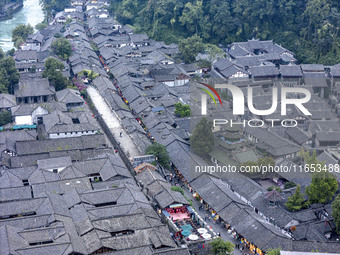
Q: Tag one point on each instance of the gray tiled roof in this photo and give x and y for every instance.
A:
(7, 100)
(272, 143)
(264, 71)
(335, 71)
(69, 96)
(26, 55)
(34, 87)
(290, 70)
(27, 109)
(297, 135)
(312, 67)
(52, 163)
(72, 143)
(248, 61)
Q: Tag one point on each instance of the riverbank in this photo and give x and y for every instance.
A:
(31, 13)
(10, 9)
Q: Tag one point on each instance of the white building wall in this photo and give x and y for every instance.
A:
(176, 83)
(239, 75)
(103, 16)
(70, 10)
(38, 112)
(23, 120)
(58, 169)
(71, 134)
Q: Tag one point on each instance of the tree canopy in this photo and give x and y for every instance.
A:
(221, 247)
(258, 165)
(308, 28)
(202, 139)
(177, 189)
(5, 118)
(273, 251)
(182, 110)
(89, 74)
(62, 47)
(53, 71)
(336, 213)
(266, 161)
(296, 201)
(324, 184)
(190, 47)
(160, 152)
(40, 26)
(9, 75)
(52, 5)
(20, 34)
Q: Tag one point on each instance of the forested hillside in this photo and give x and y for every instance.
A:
(4, 2)
(56, 6)
(309, 28)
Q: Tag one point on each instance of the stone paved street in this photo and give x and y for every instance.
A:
(114, 123)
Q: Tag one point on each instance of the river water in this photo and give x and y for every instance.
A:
(31, 13)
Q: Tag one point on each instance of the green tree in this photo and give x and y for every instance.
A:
(89, 74)
(177, 189)
(253, 165)
(53, 71)
(62, 47)
(309, 28)
(5, 118)
(160, 152)
(274, 188)
(2, 54)
(213, 51)
(336, 213)
(324, 184)
(40, 26)
(56, 6)
(289, 185)
(323, 187)
(10, 52)
(190, 47)
(18, 42)
(58, 35)
(202, 140)
(9, 75)
(273, 251)
(296, 201)
(221, 247)
(266, 161)
(182, 110)
(315, 12)
(20, 34)
(191, 15)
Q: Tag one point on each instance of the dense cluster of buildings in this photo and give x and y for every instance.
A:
(65, 191)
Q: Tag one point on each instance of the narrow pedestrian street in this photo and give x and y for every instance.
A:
(114, 123)
(126, 144)
(215, 226)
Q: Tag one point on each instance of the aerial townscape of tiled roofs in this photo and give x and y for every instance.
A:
(74, 178)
